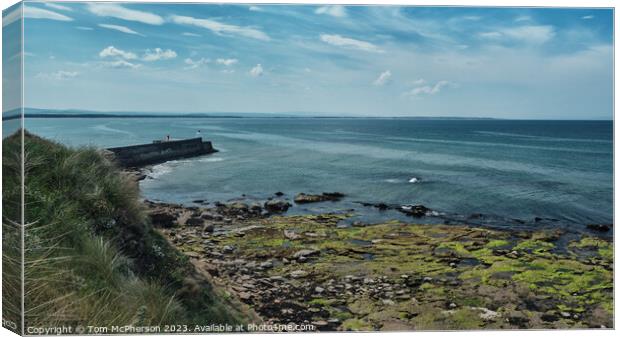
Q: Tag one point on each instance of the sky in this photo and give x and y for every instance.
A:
(525, 63)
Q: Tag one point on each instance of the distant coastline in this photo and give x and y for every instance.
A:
(217, 115)
(74, 113)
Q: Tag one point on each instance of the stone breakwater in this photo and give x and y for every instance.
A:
(394, 275)
(159, 152)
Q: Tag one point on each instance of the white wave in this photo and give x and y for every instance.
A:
(105, 128)
(210, 159)
(392, 181)
(414, 180)
(160, 170)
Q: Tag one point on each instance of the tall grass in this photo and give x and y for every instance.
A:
(91, 256)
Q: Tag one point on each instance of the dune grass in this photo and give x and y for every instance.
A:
(91, 255)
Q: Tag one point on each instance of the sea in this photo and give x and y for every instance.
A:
(496, 173)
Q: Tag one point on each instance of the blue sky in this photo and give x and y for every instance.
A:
(342, 60)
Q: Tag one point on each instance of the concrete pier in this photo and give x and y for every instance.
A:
(160, 151)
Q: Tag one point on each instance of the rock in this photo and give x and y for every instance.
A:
(599, 227)
(333, 196)
(305, 253)
(238, 207)
(228, 249)
(291, 235)
(319, 324)
(517, 318)
(198, 201)
(549, 317)
(163, 219)
(565, 314)
(194, 222)
(299, 274)
(414, 210)
(319, 290)
(303, 198)
(487, 314)
(193, 254)
(266, 265)
(388, 302)
(381, 206)
(278, 194)
(208, 228)
(256, 208)
(452, 305)
(244, 296)
(277, 205)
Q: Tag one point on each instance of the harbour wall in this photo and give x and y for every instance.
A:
(160, 151)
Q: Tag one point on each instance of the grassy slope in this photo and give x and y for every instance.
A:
(92, 257)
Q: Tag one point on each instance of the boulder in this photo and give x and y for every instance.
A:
(208, 228)
(195, 221)
(414, 210)
(277, 205)
(299, 274)
(599, 227)
(305, 253)
(303, 198)
(163, 219)
(291, 235)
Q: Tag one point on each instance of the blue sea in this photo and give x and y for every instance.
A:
(501, 173)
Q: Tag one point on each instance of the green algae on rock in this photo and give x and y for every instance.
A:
(395, 276)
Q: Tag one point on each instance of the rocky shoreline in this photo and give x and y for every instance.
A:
(394, 275)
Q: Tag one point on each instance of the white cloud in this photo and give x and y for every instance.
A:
(84, 28)
(490, 35)
(523, 18)
(227, 62)
(255, 9)
(524, 34)
(190, 34)
(221, 28)
(58, 7)
(341, 41)
(193, 64)
(58, 75)
(158, 54)
(531, 34)
(122, 29)
(427, 89)
(40, 13)
(256, 71)
(111, 51)
(336, 11)
(588, 17)
(419, 81)
(122, 64)
(119, 12)
(383, 78)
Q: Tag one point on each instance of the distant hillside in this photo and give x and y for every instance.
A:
(70, 113)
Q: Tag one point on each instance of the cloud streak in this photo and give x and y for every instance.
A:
(383, 79)
(428, 90)
(40, 13)
(118, 28)
(338, 11)
(120, 12)
(220, 28)
(58, 75)
(349, 43)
